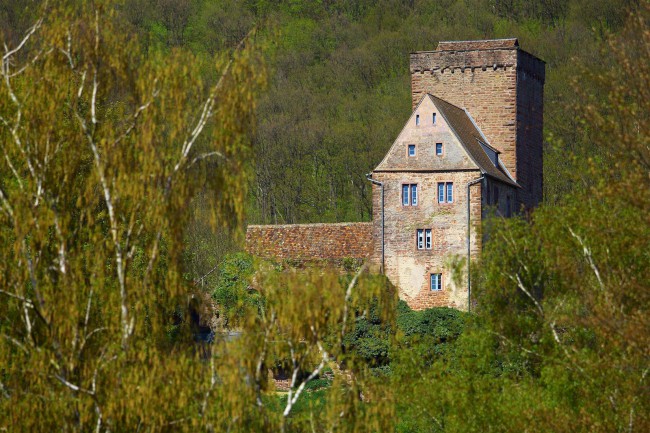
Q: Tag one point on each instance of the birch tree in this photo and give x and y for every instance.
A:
(102, 150)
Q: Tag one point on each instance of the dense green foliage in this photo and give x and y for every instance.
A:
(429, 333)
(339, 90)
(233, 293)
(559, 340)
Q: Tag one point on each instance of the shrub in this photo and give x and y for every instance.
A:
(233, 293)
(429, 333)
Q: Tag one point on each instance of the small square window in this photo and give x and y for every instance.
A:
(445, 192)
(411, 149)
(436, 282)
(409, 195)
(439, 149)
(417, 119)
(433, 118)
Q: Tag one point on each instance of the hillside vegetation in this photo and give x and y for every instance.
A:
(339, 86)
(137, 138)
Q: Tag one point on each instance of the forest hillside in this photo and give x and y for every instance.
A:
(139, 137)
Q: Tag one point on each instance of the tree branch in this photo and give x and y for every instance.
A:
(72, 386)
(314, 373)
(587, 253)
(348, 296)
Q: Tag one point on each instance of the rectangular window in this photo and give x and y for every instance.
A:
(434, 118)
(423, 239)
(436, 282)
(409, 194)
(438, 149)
(411, 149)
(445, 192)
(417, 119)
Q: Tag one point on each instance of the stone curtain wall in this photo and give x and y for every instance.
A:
(311, 242)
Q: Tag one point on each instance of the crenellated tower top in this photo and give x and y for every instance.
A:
(502, 87)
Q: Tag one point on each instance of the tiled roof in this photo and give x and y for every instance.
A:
(471, 138)
(487, 44)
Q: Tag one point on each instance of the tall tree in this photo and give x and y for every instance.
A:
(102, 151)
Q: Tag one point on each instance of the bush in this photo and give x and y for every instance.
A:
(232, 293)
(429, 333)
(443, 324)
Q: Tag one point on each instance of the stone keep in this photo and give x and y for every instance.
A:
(502, 87)
(476, 125)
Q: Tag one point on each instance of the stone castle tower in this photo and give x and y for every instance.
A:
(502, 87)
(471, 146)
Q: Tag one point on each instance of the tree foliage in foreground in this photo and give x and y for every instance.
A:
(561, 338)
(101, 152)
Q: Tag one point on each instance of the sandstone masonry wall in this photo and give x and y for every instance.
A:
(502, 88)
(311, 242)
(405, 265)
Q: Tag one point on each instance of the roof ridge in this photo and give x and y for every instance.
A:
(478, 154)
(446, 102)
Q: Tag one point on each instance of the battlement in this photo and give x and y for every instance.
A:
(473, 55)
(502, 87)
(486, 44)
(442, 60)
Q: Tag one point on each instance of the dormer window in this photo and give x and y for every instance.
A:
(433, 118)
(417, 120)
(439, 149)
(411, 149)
